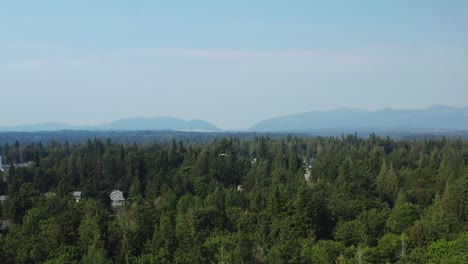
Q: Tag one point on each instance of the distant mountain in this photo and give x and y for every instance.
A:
(338, 121)
(432, 118)
(159, 123)
(41, 127)
(156, 123)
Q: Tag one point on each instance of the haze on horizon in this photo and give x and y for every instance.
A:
(231, 64)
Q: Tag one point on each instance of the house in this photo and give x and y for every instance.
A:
(4, 224)
(23, 165)
(307, 173)
(117, 198)
(3, 198)
(78, 196)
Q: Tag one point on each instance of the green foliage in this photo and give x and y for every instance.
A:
(402, 217)
(455, 251)
(324, 251)
(19, 202)
(372, 200)
(387, 184)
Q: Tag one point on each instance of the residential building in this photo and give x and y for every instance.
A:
(117, 198)
(78, 196)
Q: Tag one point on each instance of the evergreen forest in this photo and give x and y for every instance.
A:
(288, 199)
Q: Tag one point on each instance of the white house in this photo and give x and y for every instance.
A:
(3, 198)
(117, 198)
(78, 195)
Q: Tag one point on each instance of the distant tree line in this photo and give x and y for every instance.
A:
(189, 137)
(128, 137)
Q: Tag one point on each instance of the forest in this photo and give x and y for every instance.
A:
(237, 200)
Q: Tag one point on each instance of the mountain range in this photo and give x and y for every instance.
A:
(345, 120)
(433, 118)
(139, 123)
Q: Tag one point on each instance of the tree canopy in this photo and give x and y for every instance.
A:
(234, 200)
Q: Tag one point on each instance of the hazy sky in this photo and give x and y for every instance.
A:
(231, 63)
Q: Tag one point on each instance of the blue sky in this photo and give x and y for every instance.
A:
(231, 63)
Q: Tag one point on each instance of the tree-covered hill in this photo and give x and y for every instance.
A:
(128, 124)
(429, 120)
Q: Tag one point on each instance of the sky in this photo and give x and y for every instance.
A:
(231, 63)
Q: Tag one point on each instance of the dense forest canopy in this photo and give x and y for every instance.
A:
(237, 200)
